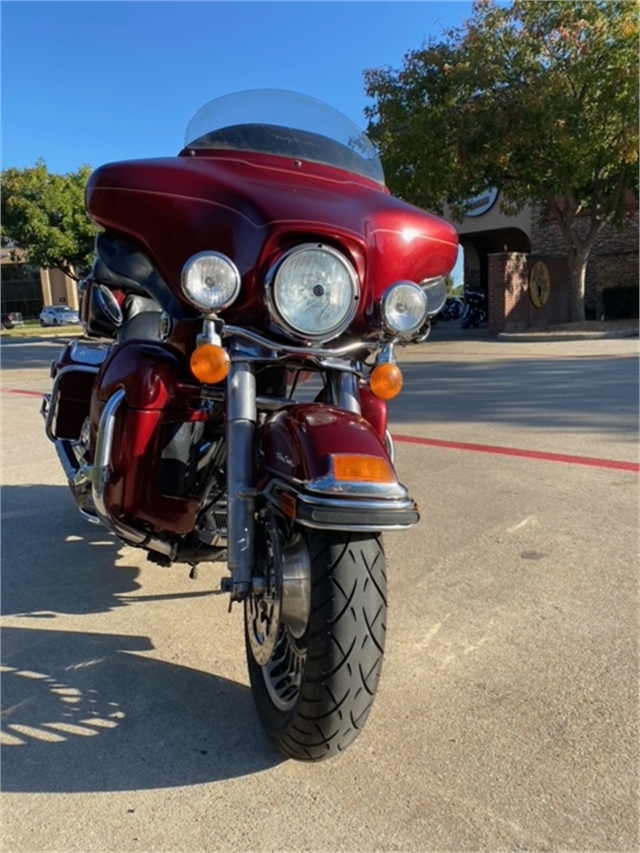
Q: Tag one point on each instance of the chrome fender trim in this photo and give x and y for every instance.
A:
(327, 512)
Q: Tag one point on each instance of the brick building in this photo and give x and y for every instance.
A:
(502, 253)
(27, 289)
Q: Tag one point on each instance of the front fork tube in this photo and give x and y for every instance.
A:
(240, 440)
(344, 391)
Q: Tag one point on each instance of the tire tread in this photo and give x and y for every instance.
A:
(346, 645)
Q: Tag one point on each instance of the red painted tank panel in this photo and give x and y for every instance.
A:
(250, 206)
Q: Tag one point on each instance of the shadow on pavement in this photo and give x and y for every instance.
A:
(87, 712)
(569, 393)
(53, 561)
(30, 353)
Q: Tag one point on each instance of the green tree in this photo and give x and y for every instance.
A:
(539, 99)
(44, 214)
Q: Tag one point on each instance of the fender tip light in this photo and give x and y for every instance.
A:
(362, 469)
(386, 381)
(210, 364)
(288, 505)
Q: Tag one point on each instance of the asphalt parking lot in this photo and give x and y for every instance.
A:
(507, 716)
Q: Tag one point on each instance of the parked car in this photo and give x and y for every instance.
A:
(58, 315)
(10, 319)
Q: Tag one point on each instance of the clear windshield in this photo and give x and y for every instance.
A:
(285, 124)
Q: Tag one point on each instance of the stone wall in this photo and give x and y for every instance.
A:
(613, 260)
(510, 306)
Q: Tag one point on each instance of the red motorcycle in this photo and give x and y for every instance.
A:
(228, 401)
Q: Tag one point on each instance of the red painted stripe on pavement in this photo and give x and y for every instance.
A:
(474, 448)
(523, 454)
(22, 393)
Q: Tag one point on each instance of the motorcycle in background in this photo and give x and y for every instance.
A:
(452, 309)
(267, 252)
(475, 310)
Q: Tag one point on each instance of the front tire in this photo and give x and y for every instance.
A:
(315, 693)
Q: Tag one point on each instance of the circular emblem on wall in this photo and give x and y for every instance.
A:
(539, 284)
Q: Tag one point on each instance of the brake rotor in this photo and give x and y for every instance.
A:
(263, 609)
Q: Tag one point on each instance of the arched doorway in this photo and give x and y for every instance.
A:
(477, 247)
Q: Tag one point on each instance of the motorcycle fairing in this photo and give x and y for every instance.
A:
(251, 207)
(296, 449)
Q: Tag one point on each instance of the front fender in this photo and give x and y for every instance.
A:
(300, 448)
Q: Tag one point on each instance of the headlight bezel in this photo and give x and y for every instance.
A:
(229, 296)
(385, 304)
(285, 324)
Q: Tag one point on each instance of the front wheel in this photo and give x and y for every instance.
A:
(315, 640)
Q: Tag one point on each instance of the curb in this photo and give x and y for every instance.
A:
(40, 334)
(537, 337)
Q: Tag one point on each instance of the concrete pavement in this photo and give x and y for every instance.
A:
(507, 713)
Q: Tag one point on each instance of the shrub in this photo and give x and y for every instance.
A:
(620, 302)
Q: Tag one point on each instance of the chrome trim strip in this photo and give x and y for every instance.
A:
(273, 346)
(388, 507)
(331, 487)
(363, 504)
(356, 528)
(347, 511)
(88, 352)
(377, 496)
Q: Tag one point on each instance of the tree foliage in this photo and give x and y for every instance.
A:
(539, 98)
(44, 214)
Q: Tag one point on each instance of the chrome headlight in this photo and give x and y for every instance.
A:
(312, 293)
(403, 309)
(210, 281)
(435, 289)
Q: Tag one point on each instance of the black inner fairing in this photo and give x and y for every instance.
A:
(121, 265)
(286, 142)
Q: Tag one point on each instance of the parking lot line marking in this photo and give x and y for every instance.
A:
(540, 455)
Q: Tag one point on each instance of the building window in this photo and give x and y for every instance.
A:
(21, 290)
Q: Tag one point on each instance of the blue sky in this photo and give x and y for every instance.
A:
(86, 82)
(92, 82)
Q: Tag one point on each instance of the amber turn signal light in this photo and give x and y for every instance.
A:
(362, 469)
(386, 381)
(210, 363)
